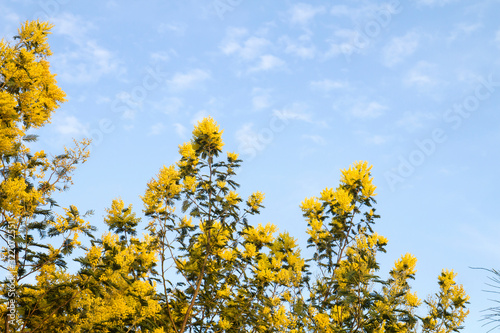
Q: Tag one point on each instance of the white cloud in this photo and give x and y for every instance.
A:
(247, 49)
(412, 121)
(399, 48)
(187, 80)
(160, 56)
(261, 98)
(157, 129)
(198, 116)
(463, 30)
(377, 139)
(172, 105)
(72, 26)
(267, 62)
(302, 47)
(10, 22)
(248, 139)
(317, 139)
(180, 130)
(302, 13)
(175, 28)
(497, 38)
(327, 85)
(433, 2)
(368, 110)
(364, 12)
(420, 75)
(87, 61)
(296, 111)
(69, 126)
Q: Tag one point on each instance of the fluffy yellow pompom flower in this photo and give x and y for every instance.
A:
(232, 198)
(406, 264)
(357, 174)
(255, 200)
(232, 156)
(207, 137)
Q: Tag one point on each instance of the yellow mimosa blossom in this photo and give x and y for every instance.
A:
(232, 156)
(224, 292)
(412, 299)
(344, 199)
(221, 184)
(323, 321)
(250, 250)
(207, 136)
(447, 279)
(190, 183)
(255, 200)
(406, 264)
(327, 195)
(359, 173)
(260, 234)
(224, 324)
(311, 206)
(186, 222)
(232, 198)
(227, 254)
(186, 150)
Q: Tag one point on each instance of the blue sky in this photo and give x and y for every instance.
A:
(302, 90)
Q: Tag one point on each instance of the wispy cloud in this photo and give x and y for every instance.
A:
(462, 30)
(188, 80)
(296, 111)
(157, 129)
(301, 47)
(327, 85)
(412, 121)
(399, 48)
(247, 138)
(317, 139)
(368, 110)
(422, 75)
(376, 139)
(433, 2)
(87, 61)
(181, 130)
(261, 98)
(171, 105)
(245, 49)
(172, 28)
(303, 13)
(198, 116)
(69, 126)
(267, 62)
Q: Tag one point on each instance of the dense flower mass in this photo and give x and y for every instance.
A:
(207, 138)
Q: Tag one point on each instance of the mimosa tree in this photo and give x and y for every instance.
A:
(204, 263)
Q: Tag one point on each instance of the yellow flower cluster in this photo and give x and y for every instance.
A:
(359, 173)
(188, 155)
(406, 264)
(255, 200)
(207, 137)
(162, 189)
(33, 93)
(260, 234)
(18, 197)
(232, 157)
(186, 222)
(232, 198)
(311, 207)
(190, 183)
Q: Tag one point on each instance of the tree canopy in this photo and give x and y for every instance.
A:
(202, 264)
